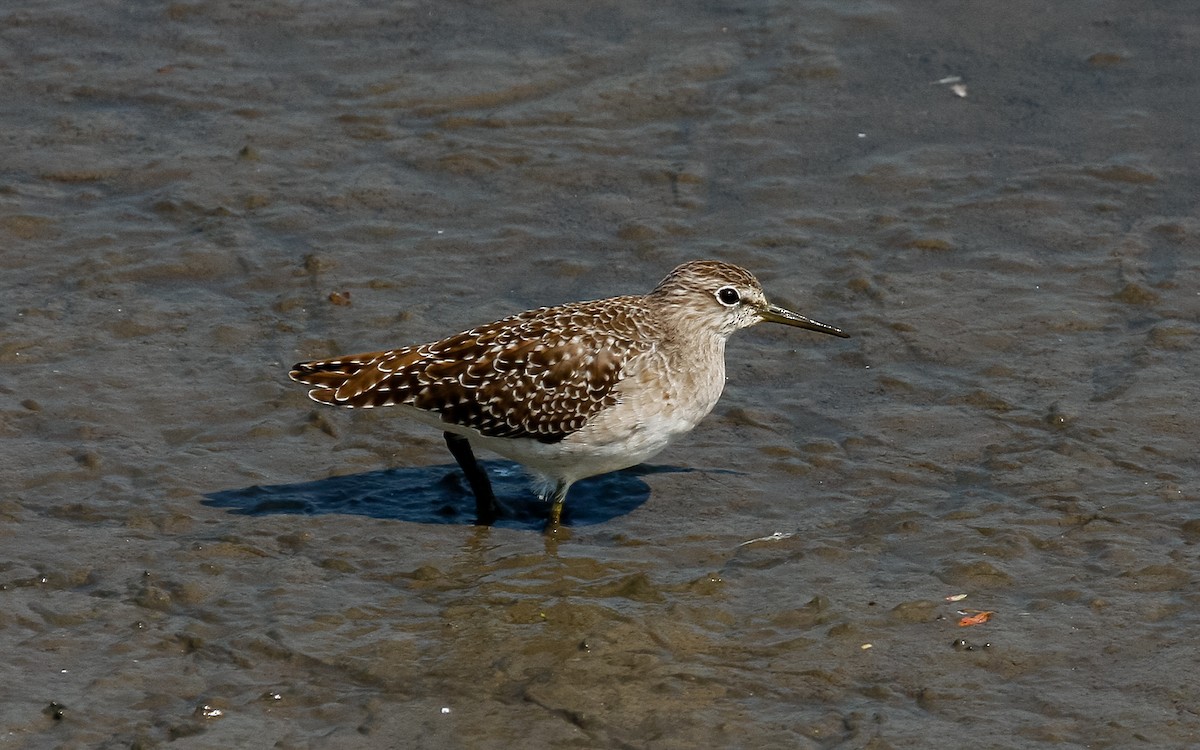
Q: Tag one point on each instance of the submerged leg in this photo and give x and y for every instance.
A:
(556, 505)
(485, 500)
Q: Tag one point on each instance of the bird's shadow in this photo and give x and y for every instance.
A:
(439, 494)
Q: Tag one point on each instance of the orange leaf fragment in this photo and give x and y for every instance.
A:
(976, 619)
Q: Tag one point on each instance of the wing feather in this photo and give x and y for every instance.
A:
(541, 374)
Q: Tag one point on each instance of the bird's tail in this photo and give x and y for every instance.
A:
(327, 375)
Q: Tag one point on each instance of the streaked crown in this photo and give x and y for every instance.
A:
(713, 294)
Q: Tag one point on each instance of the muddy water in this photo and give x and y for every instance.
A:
(196, 195)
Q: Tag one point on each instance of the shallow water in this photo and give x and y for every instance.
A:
(194, 554)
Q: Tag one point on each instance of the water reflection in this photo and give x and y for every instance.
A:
(439, 495)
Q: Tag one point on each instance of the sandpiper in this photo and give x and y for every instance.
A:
(569, 391)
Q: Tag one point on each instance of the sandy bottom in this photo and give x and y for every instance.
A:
(196, 195)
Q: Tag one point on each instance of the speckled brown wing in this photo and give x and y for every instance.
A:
(541, 374)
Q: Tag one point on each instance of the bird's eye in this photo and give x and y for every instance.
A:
(728, 296)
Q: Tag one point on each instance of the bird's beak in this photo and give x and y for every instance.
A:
(776, 314)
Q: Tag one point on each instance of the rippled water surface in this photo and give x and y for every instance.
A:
(998, 200)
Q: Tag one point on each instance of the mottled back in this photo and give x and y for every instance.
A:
(541, 374)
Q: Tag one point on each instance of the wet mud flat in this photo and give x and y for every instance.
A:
(997, 202)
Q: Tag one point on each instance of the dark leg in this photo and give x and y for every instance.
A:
(485, 500)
